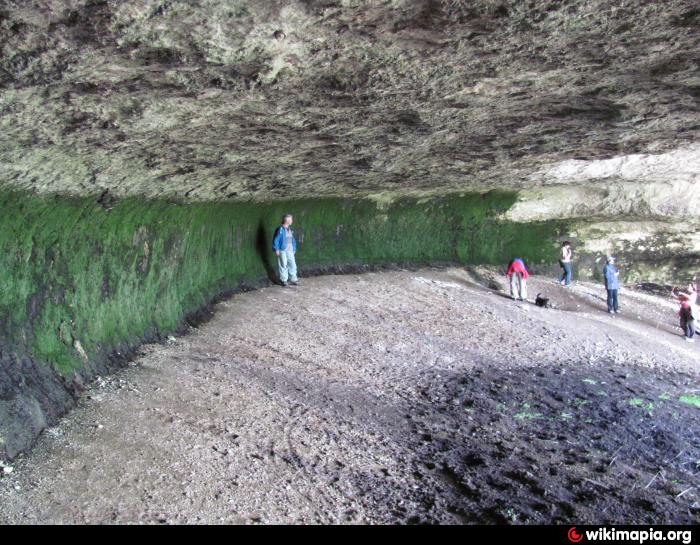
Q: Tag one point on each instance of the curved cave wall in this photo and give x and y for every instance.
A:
(84, 282)
(408, 131)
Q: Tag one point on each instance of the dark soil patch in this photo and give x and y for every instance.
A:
(562, 444)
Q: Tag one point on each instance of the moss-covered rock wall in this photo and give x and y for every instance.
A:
(84, 281)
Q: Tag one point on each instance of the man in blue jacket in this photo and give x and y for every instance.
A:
(612, 284)
(285, 246)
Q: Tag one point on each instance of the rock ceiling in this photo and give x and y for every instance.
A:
(261, 100)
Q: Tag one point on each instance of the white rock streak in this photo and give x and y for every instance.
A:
(679, 165)
(658, 186)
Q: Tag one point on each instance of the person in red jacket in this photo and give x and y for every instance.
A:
(517, 272)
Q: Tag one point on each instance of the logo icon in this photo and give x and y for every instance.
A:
(574, 536)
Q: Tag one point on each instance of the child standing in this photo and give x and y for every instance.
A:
(688, 312)
(687, 316)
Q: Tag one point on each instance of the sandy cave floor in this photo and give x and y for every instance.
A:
(402, 397)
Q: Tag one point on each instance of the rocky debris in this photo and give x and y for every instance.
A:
(401, 397)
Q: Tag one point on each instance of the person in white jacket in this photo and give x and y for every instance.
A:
(565, 263)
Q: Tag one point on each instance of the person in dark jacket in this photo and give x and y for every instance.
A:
(612, 285)
(687, 315)
(285, 247)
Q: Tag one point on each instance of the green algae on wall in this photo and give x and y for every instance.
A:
(80, 279)
(83, 282)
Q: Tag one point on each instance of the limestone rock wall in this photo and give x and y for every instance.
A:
(85, 281)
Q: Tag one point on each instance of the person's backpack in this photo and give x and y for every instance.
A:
(541, 301)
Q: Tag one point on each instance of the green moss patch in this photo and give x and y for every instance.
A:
(690, 400)
(80, 278)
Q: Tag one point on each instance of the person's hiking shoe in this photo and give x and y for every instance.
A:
(284, 284)
(611, 312)
(690, 340)
(294, 282)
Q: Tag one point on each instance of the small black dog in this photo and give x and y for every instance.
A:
(542, 301)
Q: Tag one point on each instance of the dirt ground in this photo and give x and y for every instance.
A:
(402, 397)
